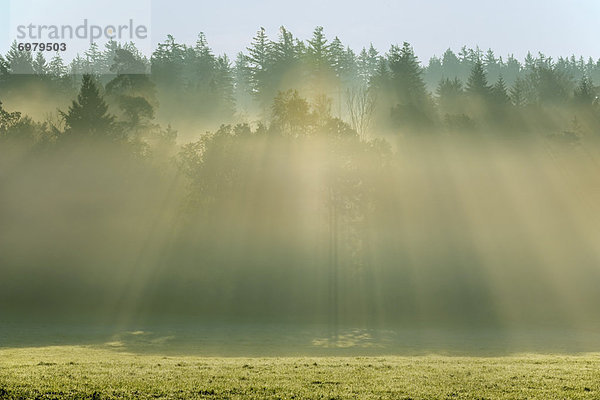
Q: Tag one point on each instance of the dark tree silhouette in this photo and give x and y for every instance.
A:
(477, 84)
(500, 92)
(88, 115)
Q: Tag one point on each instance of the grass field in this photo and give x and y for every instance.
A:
(80, 372)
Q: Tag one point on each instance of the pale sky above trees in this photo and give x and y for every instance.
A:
(554, 27)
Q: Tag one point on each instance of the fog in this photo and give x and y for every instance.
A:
(312, 210)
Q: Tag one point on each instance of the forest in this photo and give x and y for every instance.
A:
(302, 181)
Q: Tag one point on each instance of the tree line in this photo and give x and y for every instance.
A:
(292, 197)
(383, 92)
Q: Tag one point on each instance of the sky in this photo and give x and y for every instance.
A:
(556, 28)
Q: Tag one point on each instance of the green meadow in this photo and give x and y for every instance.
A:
(87, 372)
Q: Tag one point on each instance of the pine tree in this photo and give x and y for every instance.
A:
(167, 64)
(518, 93)
(434, 71)
(499, 92)
(451, 64)
(380, 81)
(77, 66)
(511, 69)
(477, 84)
(363, 70)
(584, 92)
(88, 116)
(349, 67)
(337, 55)
(259, 60)
(202, 49)
(492, 65)
(19, 62)
(406, 75)
(94, 60)
(450, 94)
(40, 66)
(467, 58)
(367, 63)
(529, 62)
(285, 58)
(241, 82)
(285, 51)
(224, 84)
(106, 58)
(551, 84)
(200, 65)
(318, 52)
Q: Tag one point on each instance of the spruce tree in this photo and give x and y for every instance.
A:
(285, 50)
(492, 65)
(19, 62)
(584, 92)
(286, 57)
(88, 115)
(367, 63)
(40, 66)
(241, 82)
(518, 93)
(450, 95)
(224, 85)
(380, 81)
(451, 64)
(259, 60)
(56, 67)
(95, 61)
(337, 55)
(406, 75)
(318, 51)
(434, 71)
(477, 84)
(500, 92)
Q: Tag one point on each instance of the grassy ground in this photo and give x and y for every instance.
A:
(95, 373)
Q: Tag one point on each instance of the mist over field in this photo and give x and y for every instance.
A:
(360, 200)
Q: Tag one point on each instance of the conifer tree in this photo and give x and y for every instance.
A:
(406, 75)
(584, 92)
(88, 115)
(241, 82)
(95, 63)
(380, 80)
(518, 93)
(367, 63)
(259, 58)
(19, 61)
(500, 92)
(451, 64)
(450, 93)
(224, 85)
(318, 51)
(285, 62)
(477, 84)
(40, 66)
(56, 66)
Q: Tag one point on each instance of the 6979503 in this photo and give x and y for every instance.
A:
(37, 46)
